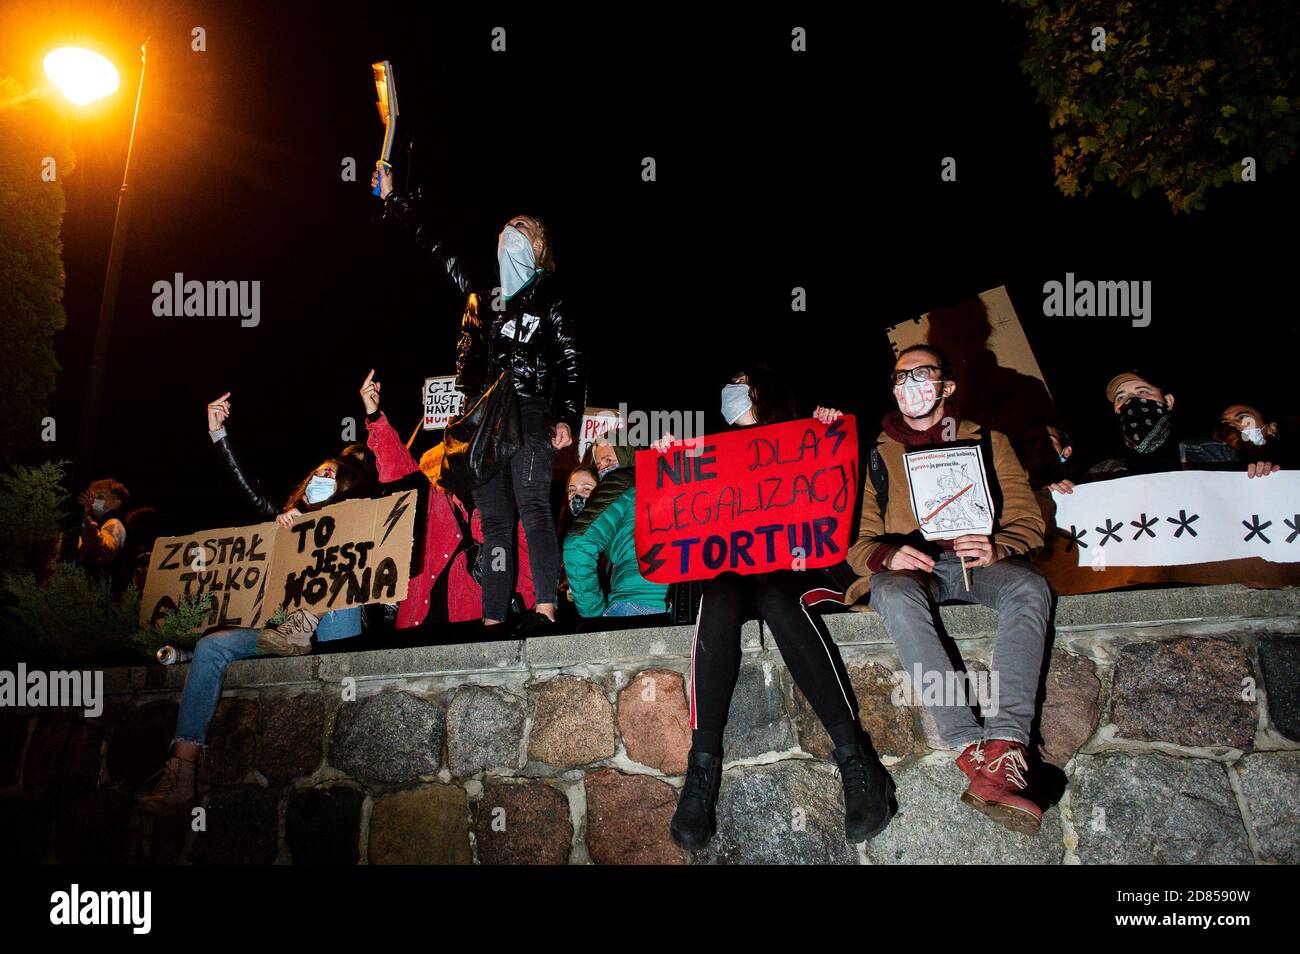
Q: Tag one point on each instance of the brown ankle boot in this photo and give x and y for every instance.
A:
(175, 787)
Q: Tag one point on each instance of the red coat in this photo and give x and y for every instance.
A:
(441, 537)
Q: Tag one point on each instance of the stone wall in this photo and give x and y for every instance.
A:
(1172, 718)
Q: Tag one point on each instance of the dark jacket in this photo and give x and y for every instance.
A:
(545, 361)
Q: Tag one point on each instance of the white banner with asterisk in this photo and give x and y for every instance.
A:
(1189, 516)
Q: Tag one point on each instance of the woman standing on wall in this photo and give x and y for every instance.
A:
(532, 339)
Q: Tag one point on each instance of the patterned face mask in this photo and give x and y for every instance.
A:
(917, 398)
(576, 504)
(1145, 424)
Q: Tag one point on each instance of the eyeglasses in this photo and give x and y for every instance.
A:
(922, 372)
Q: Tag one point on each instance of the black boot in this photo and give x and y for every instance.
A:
(868, 792)
(695, 820)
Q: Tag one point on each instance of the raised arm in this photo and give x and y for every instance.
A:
(402, 208)
(218, 413)
(392, 458)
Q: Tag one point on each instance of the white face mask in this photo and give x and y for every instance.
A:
(917, 398)
(735, 402)
(1252, 432)
(516, 260)
(320, 489)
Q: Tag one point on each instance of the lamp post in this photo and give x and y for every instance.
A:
(83, 77)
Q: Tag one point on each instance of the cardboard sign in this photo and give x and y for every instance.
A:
(348, 554)
(1006, 336)
(949, 491)
(754, 500)
(442, 402)
(1182, 517)
(597, 422)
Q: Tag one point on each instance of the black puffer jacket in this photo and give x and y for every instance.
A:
(545, 360)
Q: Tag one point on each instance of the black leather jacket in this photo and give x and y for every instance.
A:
(545, 361)
(247, 488)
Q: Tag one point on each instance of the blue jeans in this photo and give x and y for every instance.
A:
(628, 608)
(207, 674)
(218, 650)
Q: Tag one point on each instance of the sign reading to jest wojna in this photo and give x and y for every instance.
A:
(753, 500)
(348, 554)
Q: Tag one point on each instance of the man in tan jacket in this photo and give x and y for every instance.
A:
(908, 575)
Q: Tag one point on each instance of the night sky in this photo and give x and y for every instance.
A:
(774, 170)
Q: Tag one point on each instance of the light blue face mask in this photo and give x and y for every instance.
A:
(516, 260)
(735, 402)
(320, 489)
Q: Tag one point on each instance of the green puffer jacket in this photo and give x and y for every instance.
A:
(606, 527)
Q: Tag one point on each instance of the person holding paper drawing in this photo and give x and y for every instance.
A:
(805, 645)
(910, 553)
(531, 338)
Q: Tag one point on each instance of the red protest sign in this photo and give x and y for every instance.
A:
(752, 500)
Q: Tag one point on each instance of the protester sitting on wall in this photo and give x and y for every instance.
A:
(757, 396)
(102, 536)
(604, 527)
(908, 577)
(1151, 438)
(1247, 431)
(332, 481)
(449, 555)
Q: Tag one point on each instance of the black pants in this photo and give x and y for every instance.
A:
(801, 635)
(527, 482)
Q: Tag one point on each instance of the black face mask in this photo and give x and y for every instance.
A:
(1145, 424)
(576, 504)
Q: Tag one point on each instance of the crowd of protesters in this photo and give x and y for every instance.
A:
(496, 557)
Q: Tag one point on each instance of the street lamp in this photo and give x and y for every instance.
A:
(84, 76)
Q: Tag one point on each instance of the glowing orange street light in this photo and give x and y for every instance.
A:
(82, 75)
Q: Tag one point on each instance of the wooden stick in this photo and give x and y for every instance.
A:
(965, 577)
(415, 433)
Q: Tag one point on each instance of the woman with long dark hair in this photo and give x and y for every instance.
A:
(755, 397)
(332, 481)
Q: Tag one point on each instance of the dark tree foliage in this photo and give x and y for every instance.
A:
(31, 261)
(1182, 93)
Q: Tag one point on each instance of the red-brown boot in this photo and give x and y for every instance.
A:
(996, 790)
(971, 759)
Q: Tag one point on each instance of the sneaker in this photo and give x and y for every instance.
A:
(996, 790)
(868, 792)
(971, 759)
(174, 789)
(695, 820)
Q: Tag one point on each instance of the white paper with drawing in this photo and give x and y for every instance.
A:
(950, 492)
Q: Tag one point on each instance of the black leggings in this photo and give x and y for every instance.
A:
(526, 481)
(801, 635)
